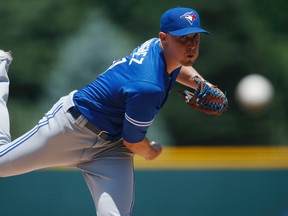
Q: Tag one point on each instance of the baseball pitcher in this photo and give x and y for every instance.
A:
(98, 128)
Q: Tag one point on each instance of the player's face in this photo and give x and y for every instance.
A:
(183, 49)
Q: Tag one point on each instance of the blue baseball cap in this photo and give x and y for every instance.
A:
(180, 21)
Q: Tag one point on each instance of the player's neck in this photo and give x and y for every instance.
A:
(171, 65)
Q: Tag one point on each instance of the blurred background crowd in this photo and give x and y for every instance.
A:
(59, 46)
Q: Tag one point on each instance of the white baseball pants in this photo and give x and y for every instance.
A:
(60, 140)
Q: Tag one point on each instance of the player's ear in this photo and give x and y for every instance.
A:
(162, 36)
(163, 39)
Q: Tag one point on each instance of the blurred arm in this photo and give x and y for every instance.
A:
(146, 149)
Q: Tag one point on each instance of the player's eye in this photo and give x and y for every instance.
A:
(183, 39)
(189, 38)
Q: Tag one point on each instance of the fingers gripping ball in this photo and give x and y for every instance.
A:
(206, 98)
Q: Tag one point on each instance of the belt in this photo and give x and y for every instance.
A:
(100, 133)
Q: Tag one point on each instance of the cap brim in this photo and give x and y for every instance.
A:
(187, 31)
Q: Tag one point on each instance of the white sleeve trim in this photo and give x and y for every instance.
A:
(138, 123)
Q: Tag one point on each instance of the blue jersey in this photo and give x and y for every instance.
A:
(125, 99)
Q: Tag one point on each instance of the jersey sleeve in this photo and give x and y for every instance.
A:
(142, 104)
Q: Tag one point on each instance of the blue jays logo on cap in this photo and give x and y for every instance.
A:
(189, 16)
(181, 21)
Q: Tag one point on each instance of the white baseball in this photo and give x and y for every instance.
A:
(254, 91)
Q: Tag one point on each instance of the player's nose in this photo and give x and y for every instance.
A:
(191, 45)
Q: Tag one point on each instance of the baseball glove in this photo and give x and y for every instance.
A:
(206, 98)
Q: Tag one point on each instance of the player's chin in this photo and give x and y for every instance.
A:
(188, 61)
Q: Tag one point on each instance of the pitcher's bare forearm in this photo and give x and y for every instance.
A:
(145, 148)
(186, 75)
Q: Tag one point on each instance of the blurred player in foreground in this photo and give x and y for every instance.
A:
(99, 128)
